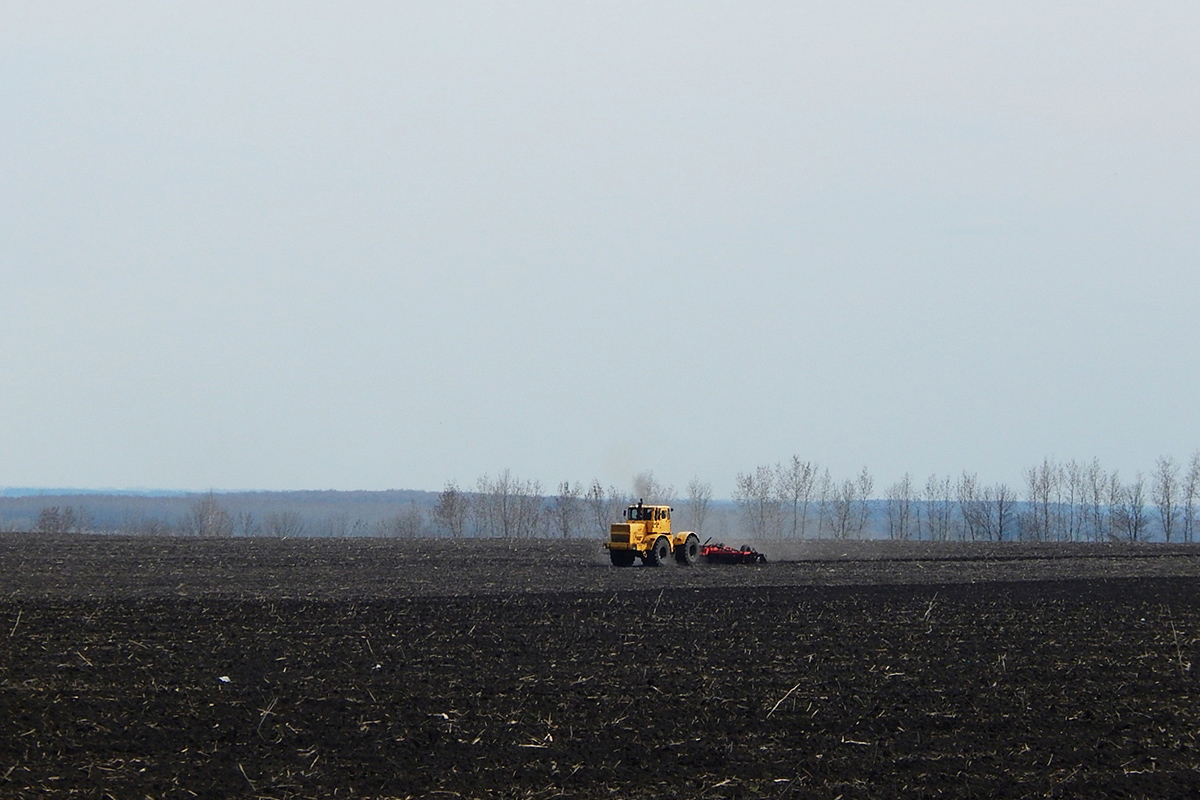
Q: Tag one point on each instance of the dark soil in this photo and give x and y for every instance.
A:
(134, 668)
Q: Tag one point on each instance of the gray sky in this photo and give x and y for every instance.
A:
(371, 245)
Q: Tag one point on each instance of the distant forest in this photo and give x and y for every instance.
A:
(1059, 501)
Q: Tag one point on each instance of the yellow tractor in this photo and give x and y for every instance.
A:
(646, 534)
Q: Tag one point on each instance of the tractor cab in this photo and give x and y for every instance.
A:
(656, 518)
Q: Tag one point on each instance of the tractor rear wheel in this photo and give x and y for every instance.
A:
(660, 551)
(688, 552)
(622, 558)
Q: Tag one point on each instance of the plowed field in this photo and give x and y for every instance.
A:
(134, 668)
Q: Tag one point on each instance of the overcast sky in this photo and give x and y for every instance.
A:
(383, 245)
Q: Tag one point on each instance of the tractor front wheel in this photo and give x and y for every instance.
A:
(622, 558)
(688, 552)
(659, 552)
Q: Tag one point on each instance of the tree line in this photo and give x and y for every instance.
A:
(205, 517)
(1060, 501)
(277, 514)
(797, 499)
(510, 507)
(503, 506)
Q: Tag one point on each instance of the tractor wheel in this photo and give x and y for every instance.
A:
(688, 552)
(659, 552)
(762, 559)
(622, 558)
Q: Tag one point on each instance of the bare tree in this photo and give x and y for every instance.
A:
(1003, 502)
(843, 510)
(794, 484)
(597, 505)
(451, 510)
(495, 506)
(567, 509)
(825, 491)
(509, 507)
(1074, 480)
(246, 525)
(1191, 492)
(756, 497)
(1096, 504)
(617, 503)
(938, 508)
(51, 521)
(1165, 491)
(900, 508)
(865, 487)
(488, 508)
(408, 524)
(603, 507)
(530, 510)
(69, 520)
(1116, 505)
(994, 511)
(972, 506)
(283, 524)
(1042, 484)
(698, 503)
(925, 501)
(849, 508)
(1131, 510)
(208, 518)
